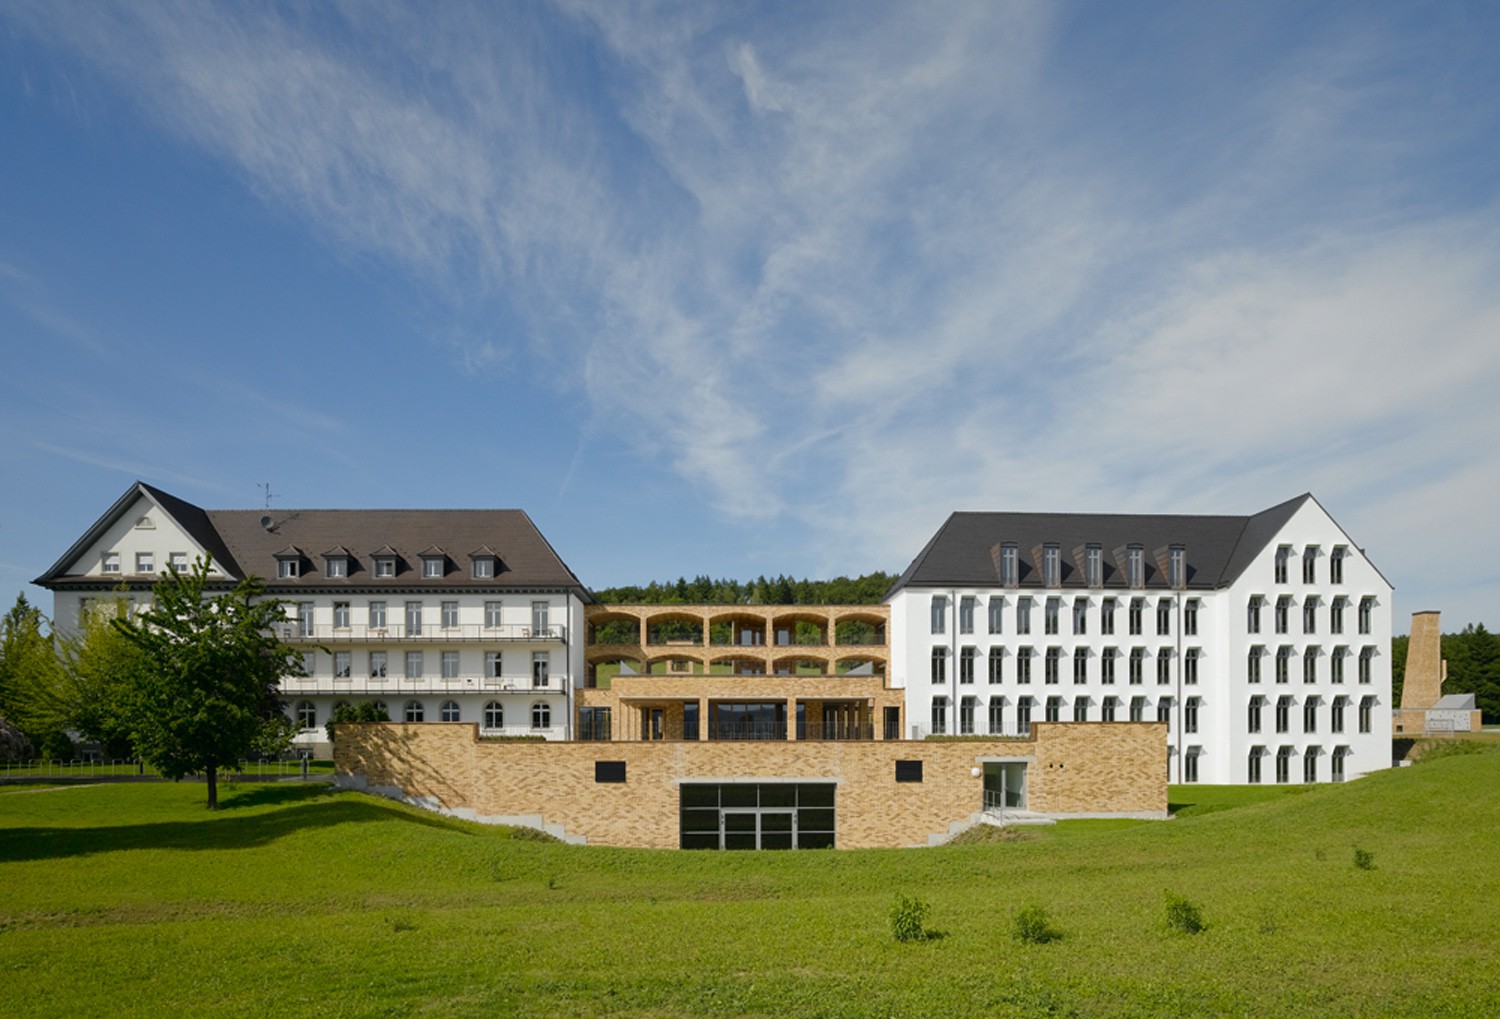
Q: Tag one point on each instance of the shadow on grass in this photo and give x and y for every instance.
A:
(223, 829)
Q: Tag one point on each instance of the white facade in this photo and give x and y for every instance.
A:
(980, 658)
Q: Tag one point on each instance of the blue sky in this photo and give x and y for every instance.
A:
(757, 288)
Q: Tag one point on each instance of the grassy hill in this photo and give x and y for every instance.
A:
(130, 899)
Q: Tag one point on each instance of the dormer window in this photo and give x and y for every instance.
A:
(1177, 567)
(288, 568)
(385, 566)
(110, 563)
(484, 568)
(1135, 566)
(336, 567)
(1093, 566)
(1051, 566)
(432, 566)
(1009, 569)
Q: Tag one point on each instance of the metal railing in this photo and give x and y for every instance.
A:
(294, 631)
(124, 768)
(368, 685)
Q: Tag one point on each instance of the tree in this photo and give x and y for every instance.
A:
(208, 693)
(100, 667)
(29, 695)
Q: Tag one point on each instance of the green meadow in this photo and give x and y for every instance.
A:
(293, 900)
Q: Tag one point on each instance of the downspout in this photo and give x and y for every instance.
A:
(953, 658)
(1178, 705)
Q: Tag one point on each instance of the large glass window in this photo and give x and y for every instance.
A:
(939, 716)
(997, 715)
(341, 664)
(1023, 716)
(494, 664)
(966, 709)
(1190, 659)
(1190, 617)
(746, 815)
(413, 618)
(377, 664)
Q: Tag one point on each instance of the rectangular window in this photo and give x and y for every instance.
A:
(1051, 566)
(1164, 666)
(450, 614)
(997, 716)
(1252, 621)
(1010, 574)
(1093, 566)
(450, 664)
(484, 568)
(377, 615)
(1338, 764)
(1023, 615)
(492, 615)
(1107, 665)
(908, 771)
(1080, 667)
(939, 666)
(308, 663)
(1366, 613)
(1336, 664)
(541, 618)
(1108, 708)
(1023, 716)
(1164, 710)
(1177, 567)
(1283, 613)
(413, 665)
(541, 667)
(1137, 616)
(1190, 666)
(1283, 664)
(1190, 715)
(1310, 715)
(336, 568)
(385, 566)
(1283, 556)
(1164, 617)
(1310, 665)
(111, 563)
(377, 664)
(1107, 617)
(1052, 712)
(1336, 614)
(1310, 614)
(1050, 615)
(1366, 713)
(997, 613)
(1310, 765)
(1336, 564)
(413, 619)
(609, 772)
(1336, 714)
(1253, 720)
(1080, 617)
(939, 716)
(177, 562)
(966, 716)
(494, 664)
(966, 614)
(1081, 709)
(1253, 765)
(1252, 663)
(1137, 665)
(939, 613)
(1190, 617)
(1310, 564)
(305, 618)
(1137, 709)
(1283, 714)
(1135, 566)
(1023, 665)
(1366, 663)
(1190, 764)
(1051, 666)
(145, 562)
(432, 566)
(286, 569)
(1283, 765)
(997, 656)
(966, 664)
(341, 664)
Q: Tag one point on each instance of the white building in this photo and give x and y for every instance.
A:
(1264, 641)
(439, 615)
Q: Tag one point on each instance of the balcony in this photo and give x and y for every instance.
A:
(393, 686)
(294, 632)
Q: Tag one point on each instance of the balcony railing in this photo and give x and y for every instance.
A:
(292, 686)
(293, 631)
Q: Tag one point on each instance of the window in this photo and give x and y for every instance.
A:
(1283, 554)
(145, 562)
(1108, 708)
(1137, 665)
(1093, 566)
(450, 666)
(966, 664)
(1310, 614)
(1310, 665)
(484, 568)
(1137, 709)
(1190, 714)
(1080, 617)
(492, 615)
(494, 715)
(414, 711)
(1052, 712)
(939, 665)
(541, 715)
(1283, 664)
(1283, 613)
(1366, 612)
(541, 664)
(1023, 615)
(342, 661)
(305, 618)
(307, 715)
(432, 566)
(110, 563)
(908, 771)
(1107, 617)
(1336, 664)
(1177, 567)
(966, 715)
(1081, 709)
(1310, 715)
(450, 614)
(1107, 665)
(1051, 566)
(449, 711)
(1190, 617)
(1023, 665)
(1135, 566)
(1253, 769)
(1023, 716)
(1366, 713)
(1252, 622)
(177, 562)
(997, 715)
(540, 622)
(1010, 574)
(413, 665)
(1339, 753)
(1164, 666)
(1164, 617)
(939, 613)
(377, 664)
(341, 615)
(1284, 765)
(966, 614)
(1336, 614)
(997, 613)
(997, 656)
(377, 615)
(1050, 666)
(413, 619)
(1252, 663)
(1366, 658)
(1253, 721)
(1164, 710)
(1137, 611)
(1310, 564)
(1190, 764)
(1336, 564)
(494, 664)
(1050, 615)
(286, 569)
(385, 566)
(1283, 714)
(1190, 666)
(939, 716)
(336, 567)
(1080, 667)
(1336, 714)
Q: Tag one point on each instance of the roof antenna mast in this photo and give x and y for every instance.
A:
(265, 486)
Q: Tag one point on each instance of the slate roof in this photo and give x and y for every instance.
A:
(965, 550)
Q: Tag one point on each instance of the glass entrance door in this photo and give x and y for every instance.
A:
(757, 829)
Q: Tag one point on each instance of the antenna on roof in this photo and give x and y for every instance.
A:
(265, 486)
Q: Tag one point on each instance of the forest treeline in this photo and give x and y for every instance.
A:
(869, 589)
(1473, 656)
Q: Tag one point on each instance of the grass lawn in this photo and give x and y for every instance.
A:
(298, 900)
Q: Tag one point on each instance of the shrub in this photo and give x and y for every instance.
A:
(908, 919)
(1183, 916)
(365, 711)
(1364, 859)
(1030, 926)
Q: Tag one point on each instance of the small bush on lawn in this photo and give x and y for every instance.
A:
(1364, 859)
(908, 919)
(1031, 926)
(1183, 916)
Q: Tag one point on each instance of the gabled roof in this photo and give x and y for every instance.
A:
(965, 550)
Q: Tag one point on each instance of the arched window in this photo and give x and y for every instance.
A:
(307, 715)
(380, 708)
(494, 715)
(450, 711)
(541, 715)
(414, 712)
